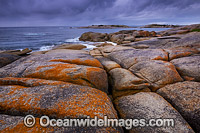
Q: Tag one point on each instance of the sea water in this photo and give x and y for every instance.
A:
(45, 38)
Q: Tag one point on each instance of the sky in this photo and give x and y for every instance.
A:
(88, 12)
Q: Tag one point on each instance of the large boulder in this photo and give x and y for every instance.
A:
(158, 73)
(22, 96)
(188, 67)
(59, 100)
(185, 97)
(149, 105)
(128, 57)
(69, 66)
(94, 37)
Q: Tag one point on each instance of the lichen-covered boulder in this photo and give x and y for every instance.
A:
(158, 73)
(22, 96)
(185, 97)
(149, 105)
(188, 67)
(128, 57)
(68, 66)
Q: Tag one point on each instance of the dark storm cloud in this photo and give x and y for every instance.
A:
(83, 12)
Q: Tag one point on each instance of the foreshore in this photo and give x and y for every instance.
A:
(145, 75)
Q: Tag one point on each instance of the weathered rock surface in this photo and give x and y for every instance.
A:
(148, 105)
(22, 96)
(6, 59)
(188, 67)
(158, 73)
(69, 66)
(56, 99)
(108, 64)
(185, 97)
(70, 46)
(123, 82)
(128, 57)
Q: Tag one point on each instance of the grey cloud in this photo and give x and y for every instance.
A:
(83, 12)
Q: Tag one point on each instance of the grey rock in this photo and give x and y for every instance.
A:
(148, 105)
(185, 97)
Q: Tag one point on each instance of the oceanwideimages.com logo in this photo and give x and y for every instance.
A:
(45, 121)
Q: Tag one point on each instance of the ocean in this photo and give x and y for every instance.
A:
(44, 38)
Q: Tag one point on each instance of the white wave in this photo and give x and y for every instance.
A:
(89, 47)
(45, 48)
(34, 34)
(74, 40)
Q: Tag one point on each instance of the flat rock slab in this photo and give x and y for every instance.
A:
(129, 57)
(79, 68)
(148, 105)
(185, 97)
(53, 98)
(188, 67)
(16, 124)
(158, 73)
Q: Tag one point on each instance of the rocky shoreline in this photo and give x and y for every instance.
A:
(147, 75)
(105, 26)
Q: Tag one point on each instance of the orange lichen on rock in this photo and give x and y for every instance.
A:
(91, 103)
(29, 82)
(20, 100)
(88, 62)
(82, 75)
